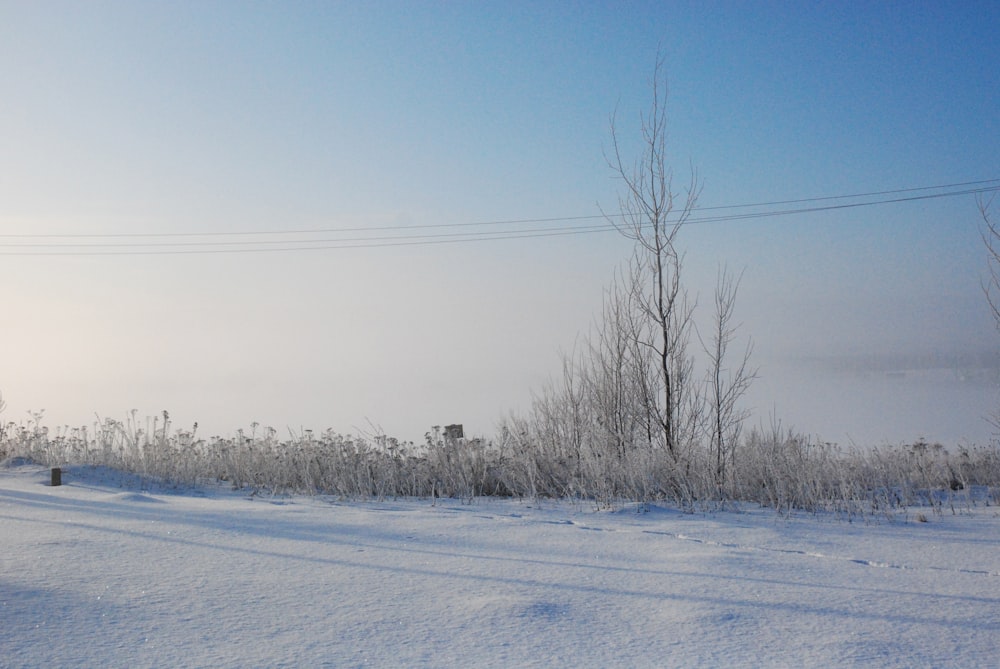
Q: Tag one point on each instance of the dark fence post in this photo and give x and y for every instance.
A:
(56, 476)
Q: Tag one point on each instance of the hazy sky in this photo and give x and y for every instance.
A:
(120, 120)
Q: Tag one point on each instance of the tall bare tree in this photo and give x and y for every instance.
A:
(652, 214)
(726, 385)
(611, 371)
(629, 416)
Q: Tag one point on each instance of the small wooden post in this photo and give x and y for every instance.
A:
(56, 476)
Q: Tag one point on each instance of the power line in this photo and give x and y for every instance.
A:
(444, 236)
(372, 243)
(558, 219)
(859, 195)
(852, 205)
(201, 246)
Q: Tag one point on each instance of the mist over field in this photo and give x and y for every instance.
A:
(873, 401)
(380, 219)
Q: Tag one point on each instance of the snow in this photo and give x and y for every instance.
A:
(108, 571)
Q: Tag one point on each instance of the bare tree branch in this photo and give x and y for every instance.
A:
(991, 238)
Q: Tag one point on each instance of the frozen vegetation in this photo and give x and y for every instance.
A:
(777, 469)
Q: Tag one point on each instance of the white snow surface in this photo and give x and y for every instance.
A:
(103, 572)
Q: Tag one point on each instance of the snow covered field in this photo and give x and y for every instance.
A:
(98, 573)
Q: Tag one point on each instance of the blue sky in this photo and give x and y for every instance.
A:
(167, 118)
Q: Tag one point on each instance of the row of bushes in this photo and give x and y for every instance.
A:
(774, 468)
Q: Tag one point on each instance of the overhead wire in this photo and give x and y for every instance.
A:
(556, 219)
(403, 235)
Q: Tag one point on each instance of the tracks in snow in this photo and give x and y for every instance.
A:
(680, 536)
(813, 554)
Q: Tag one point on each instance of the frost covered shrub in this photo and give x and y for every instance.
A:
(783, 471)
(258, 460)
(789, 472)
(459, 468)
(552, 453)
